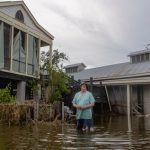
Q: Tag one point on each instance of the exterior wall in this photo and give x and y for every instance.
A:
(20, 52)
(147, 123)
(75, 69)
(7, 15)
(146, 90)
(137, 99)
(134, 95)
(140, 57)
(11, 11)
(118, 98)
(80, 68)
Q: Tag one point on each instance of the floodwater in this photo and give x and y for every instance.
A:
(111, 132)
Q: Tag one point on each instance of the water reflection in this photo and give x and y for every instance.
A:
(111, 132)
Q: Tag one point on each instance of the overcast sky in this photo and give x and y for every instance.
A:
(96, 32)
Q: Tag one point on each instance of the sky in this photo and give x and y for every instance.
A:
(95, 32)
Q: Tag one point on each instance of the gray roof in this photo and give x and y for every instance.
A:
(115, 71)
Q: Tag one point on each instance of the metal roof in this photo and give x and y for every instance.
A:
(115, 71)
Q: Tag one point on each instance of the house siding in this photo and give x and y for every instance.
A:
(11, 12)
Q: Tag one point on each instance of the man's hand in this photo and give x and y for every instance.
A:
(77, 106)
(87, 106)
(83, 106)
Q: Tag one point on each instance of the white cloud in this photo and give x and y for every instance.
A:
(96, 32)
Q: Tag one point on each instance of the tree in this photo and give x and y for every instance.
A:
(57, 78)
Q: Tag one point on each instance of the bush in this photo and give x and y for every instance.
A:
(5, 95)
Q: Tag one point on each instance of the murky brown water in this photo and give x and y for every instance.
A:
(110, 133)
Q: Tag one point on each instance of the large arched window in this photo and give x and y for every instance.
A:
(19, 16)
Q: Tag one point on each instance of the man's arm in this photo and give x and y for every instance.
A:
(84, 106)
(74, 102)
(76, 106)
(87, 106)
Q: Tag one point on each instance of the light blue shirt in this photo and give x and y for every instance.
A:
(83, 99)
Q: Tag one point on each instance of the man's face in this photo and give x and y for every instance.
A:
(83, 88)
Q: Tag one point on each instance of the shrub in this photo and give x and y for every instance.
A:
(5, 95)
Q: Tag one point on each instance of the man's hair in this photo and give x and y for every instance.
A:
(83, 83)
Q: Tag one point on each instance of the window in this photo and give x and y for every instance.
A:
(74, 69)
(67, 70)
(19, 16)
(19, 51)
(138, 58)
(133, 59)
(1, 44)
(142, 57)
(33, 55)
(147, 56)
(7, 46)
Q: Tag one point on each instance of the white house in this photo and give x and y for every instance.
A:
(21, 39)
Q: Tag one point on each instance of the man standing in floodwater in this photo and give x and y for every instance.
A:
(84, 101)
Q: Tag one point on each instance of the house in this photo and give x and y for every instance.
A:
(21, 39)
(126, 85)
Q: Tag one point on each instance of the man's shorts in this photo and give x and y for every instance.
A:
(83, 123)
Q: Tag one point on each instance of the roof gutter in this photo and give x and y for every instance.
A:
(119, 77)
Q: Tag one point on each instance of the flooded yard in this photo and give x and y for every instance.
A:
(111, 132)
